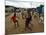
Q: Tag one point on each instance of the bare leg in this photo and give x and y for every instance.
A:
(17, 23)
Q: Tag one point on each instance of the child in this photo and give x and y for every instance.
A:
(28, 19)
(14, 19)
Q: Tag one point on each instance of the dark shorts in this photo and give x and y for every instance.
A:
(15, 21)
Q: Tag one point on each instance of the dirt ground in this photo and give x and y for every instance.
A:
(11, 29)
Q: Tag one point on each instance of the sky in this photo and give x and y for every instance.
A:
(26, 0)
(28, 4)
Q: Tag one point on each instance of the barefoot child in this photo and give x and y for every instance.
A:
(14, 20)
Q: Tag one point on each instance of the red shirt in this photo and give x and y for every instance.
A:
(14, 18)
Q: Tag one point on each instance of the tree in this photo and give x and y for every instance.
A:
(40, 9)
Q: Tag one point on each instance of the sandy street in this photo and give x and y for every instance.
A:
(10, 27)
